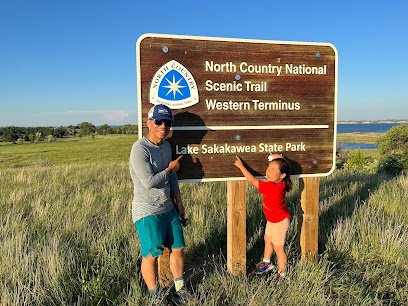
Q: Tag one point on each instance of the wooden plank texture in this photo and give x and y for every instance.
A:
(163, 266)
(308, 216)
(236, 227)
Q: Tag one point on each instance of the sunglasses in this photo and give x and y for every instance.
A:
(167, 123)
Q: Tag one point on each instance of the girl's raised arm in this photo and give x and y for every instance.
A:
(240, 165)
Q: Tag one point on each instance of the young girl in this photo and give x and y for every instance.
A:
(275, 210)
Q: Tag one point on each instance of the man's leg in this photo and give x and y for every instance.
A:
(149, 271)
(175, 239)
(175, 242)
(151, 242)
(181, 295)
(177, 262)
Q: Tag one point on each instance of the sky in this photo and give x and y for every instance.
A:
(66, 62)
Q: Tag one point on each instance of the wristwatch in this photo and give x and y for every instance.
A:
(169, 171)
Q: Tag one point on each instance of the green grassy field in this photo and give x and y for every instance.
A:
(110, 148)
(67, 237)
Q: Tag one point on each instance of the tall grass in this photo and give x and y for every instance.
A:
(66, 235)
(370, 247)
(67, 239)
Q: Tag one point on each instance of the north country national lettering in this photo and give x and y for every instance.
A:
(173, 85)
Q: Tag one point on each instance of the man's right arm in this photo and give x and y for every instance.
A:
(140, 165)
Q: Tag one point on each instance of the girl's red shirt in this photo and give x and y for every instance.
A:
(274, 205)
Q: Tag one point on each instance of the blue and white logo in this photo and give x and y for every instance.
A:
(173, 85)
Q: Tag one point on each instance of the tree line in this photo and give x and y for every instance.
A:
(20, 134)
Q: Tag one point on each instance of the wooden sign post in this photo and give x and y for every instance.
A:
(308, 218)
(242, 97)
(236, 227)
(163, 262)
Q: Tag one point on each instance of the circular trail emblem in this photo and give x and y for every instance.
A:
(173, 85)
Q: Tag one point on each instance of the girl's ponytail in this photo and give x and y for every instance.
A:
(288, 183)
(284, 167)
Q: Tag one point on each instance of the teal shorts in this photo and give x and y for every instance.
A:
(158, 231)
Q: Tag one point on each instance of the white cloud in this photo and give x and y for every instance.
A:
(64, 118)
(115, 116)
(112, 117)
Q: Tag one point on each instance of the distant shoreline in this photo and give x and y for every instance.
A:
(402, 121)
(374, 121)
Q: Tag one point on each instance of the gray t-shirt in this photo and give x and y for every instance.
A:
(152, 185)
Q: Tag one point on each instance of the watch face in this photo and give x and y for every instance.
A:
(170, 172)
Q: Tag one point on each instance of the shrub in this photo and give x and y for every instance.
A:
(20, 141)
(39, 136)
(391, 165)
(359, 162)
(341, 157)
(357, 158)
(51, 138)
(394, 143)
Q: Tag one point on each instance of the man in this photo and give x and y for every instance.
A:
(156, 193)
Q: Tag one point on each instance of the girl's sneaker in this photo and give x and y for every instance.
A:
(264, 267)
(279, 277)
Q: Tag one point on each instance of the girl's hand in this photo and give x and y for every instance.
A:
(272, 156)
(238, 162)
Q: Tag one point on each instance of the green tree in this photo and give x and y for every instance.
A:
(71, 129)
(48, 131)
(60, 132)
(394, 143)
(86, 128)
(10, 135)
(103, 129)
(129, 129)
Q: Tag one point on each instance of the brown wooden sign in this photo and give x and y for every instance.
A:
(241, 97)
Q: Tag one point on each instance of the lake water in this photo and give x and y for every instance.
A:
(365, 127)
(355, 146)
(362, 128)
